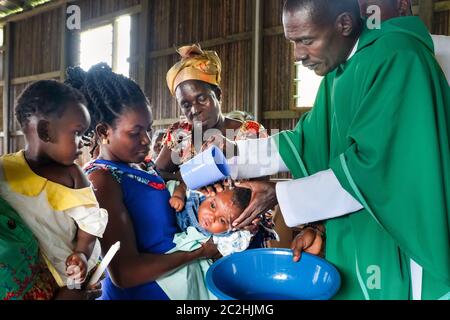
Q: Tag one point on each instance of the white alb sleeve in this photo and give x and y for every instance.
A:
(314, 198)
(256, 158)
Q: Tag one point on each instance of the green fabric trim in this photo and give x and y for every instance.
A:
(445, 297)
(361, 281)
(297, 156)
(355, 188)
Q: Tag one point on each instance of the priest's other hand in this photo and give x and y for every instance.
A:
(211, 191)
(263, 199)
(310, 240)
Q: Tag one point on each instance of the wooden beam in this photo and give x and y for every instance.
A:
(285, 114)
(204, 44)
(426, 12)
(115, 45)
(108, 18)
(7, 86)
(13, 134)
(36, 77)
(442, 6)
(72, 46)
(274, 31)
(63, 57)
(268, 32)
(257, 71)
(143, 43)
(165, 122)
(38, 10)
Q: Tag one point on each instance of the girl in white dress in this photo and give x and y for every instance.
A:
(46, 187)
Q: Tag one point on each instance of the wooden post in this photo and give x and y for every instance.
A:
(63, 58)
(257, 40)
(7, 86)
(69, 45)
(143, 44)
(426, 13)
(115, 44)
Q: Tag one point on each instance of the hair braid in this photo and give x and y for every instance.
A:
(108, 94)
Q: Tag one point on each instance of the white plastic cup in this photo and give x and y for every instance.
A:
(205, 169)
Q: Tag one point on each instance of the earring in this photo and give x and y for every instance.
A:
(105, 141)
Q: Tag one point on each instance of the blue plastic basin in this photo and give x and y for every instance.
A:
(271, 274)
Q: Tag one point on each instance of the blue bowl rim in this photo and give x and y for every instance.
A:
(280, 251)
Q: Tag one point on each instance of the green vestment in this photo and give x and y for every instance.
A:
(381, 122)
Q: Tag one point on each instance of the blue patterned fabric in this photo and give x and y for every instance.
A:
(147, 201)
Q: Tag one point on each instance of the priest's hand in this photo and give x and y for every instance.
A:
(263, 199)
(310, 240)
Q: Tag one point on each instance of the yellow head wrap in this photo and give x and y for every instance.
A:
(195, 64)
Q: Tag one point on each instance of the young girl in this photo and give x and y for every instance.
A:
(45, 186)
(137, 200)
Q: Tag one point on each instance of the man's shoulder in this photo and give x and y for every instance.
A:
(398, 46)
(398, 42)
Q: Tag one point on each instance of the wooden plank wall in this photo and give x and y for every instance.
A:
(37, 49)
(35, 40)
(441, 22)
(278, 69)
(180, 22)
(221, 25)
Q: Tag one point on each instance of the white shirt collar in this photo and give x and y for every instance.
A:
(353, 50)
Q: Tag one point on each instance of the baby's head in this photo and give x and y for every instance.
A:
(53, 117)
(217, 213)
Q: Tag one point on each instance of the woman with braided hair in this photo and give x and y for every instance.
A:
(137, 201)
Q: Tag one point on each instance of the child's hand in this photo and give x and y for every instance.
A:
(177, 203)
(308, 240)
(77, 267)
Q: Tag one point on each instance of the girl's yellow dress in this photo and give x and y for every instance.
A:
(52, 211)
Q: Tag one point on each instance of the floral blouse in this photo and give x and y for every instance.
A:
(178, 137)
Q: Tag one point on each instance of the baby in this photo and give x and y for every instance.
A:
(213, 217)
(217, 213)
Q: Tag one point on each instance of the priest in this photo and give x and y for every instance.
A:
(372, 158)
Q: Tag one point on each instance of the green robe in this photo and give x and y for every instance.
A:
(381, 122)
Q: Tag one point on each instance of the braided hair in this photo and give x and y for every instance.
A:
(45, 98)
(108, 95)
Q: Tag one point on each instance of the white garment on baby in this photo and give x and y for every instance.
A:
(236, 241)
(188, 282)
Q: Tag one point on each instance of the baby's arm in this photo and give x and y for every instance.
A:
(77, 262)
(177, 200)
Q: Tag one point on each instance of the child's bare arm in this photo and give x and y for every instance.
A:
(180, 191)
(77, 262)
(85, 243)
(177, 200)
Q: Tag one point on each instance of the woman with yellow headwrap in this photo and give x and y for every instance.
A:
(195, 82)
